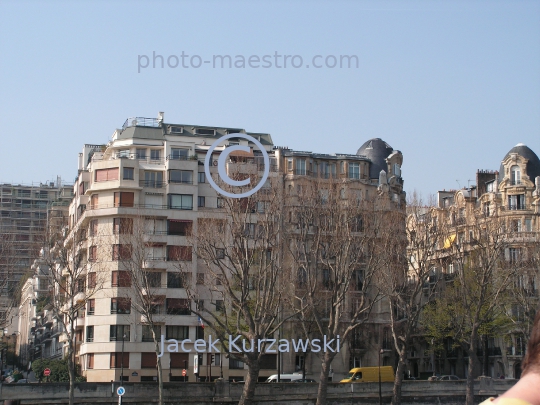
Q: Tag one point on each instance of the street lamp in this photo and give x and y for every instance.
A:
(382, 351)
(122, 360)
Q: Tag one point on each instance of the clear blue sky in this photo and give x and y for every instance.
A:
(453, 85)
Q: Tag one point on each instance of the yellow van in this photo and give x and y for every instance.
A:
(370, 374)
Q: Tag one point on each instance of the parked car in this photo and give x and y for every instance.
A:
(449, 378)
(22, 381)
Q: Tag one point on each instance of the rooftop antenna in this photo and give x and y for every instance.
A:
(469, 183)
(459, 185)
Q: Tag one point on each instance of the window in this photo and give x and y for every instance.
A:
(513, 255)
(117, 361)
(268, 361)
(179, 360)
(148, 360)
(121, 279)
(181, 176)
(90, 361)
(397, 170)
(201, 177)
(301, 167)
(326, 279)
(200, 278)
(153, 179)
(106, 174)
(235, 364)
(94, 201)
(219, 306)
(81, 284)
(205, 131)
(180, 201)
(153, 279)
(148, 336)
(289, 165)
(220, 202)
(124, 199)
(179, 253)
(357, 279)
(179, 153)
(174, 129)
(301, 277)
(92, 253)
(140, 154)
(117, 333)
(220, 253)
(178, 306)
(179, 227)
(120, 305)
(177, 332)
(122, 226)
(354, 170)
(155, 154)
(92, 282)
(516, 225)
(90, 333)
(528, 225)
(91, 307)
(93, 227)
(515, 175)
(121, 252)
(129, 173)
(124, 153)
(516, 202)
(201, 202)
(175, 280)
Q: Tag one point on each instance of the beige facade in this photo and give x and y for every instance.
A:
(511, 198)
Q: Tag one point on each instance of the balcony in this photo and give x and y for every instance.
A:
(516, 207)
(181, 157)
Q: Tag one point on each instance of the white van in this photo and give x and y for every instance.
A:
(284, 378)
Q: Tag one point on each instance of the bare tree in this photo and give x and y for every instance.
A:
(408, 280)
(335, 251)
(244, 280)
(75, 273)
(145, 294)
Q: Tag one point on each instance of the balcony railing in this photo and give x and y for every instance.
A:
(516, 207)
(151, 183)
(141, 122)
(182, 157)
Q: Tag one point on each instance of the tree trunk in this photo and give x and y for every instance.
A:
(248, 393)
(159, 371)
(473, 360)
(71, 370)
(398, 380)
(325, 372)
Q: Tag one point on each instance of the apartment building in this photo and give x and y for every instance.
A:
(25, 212)
(372, 174)
(509, 198)
(150, 171)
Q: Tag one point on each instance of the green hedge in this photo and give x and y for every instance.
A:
(59, 370)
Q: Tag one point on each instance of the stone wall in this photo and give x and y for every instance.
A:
(414, 393)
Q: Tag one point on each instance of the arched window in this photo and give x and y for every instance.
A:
(515, 175)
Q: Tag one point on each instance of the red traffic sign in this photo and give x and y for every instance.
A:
(47, 372)
(184, 372)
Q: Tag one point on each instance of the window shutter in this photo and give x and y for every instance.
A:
(148, 360)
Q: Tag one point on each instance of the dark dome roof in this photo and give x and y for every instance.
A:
(377, 151)
(533, 165)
